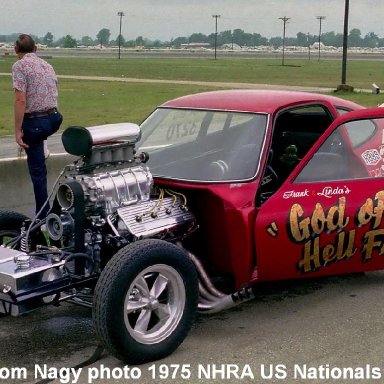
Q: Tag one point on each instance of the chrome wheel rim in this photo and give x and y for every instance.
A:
(154, 304)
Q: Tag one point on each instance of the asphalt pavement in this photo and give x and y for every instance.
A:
(300, 331)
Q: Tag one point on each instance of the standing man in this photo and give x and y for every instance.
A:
(36, 114)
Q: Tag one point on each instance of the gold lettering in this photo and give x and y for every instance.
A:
(338, 213)
(371, 243)
(310, 261)
(303, 227)
(329, 253)
(315, 257)
(299, 229)
(379, 208)
(365, 212)
(318, 219)
(371, 212)
(349, 250)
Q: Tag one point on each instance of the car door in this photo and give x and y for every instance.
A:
(327, 217)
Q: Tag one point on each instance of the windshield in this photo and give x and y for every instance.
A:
(203, 145)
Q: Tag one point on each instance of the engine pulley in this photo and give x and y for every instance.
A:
(59, 226)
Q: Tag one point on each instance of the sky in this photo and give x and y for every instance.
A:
(168, 19)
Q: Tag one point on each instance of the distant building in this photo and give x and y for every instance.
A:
(195, 45)
(233, 46)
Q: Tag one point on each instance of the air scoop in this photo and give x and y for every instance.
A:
(79, 141)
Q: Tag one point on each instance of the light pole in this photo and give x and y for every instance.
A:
(215, 17)
(345, 44)
(120, 14)
(285, 19)
(320, 18)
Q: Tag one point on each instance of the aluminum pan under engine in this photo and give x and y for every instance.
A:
(21, 273)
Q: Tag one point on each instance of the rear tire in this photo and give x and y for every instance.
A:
(145, 301)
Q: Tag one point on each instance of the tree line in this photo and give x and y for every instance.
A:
(229, 37)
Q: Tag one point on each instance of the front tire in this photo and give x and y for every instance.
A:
(10, 225)
(145, 301)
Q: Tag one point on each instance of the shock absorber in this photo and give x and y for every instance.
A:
(25, 244)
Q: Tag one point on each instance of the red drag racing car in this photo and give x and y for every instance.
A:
(215, 190)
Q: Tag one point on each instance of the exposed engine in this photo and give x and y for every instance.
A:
(113, 189)
(102, 202)
(124, 198)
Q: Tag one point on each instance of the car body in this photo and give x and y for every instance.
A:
(234, 197)
(214, 193)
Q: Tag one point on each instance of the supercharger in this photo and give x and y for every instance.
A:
(112, 186)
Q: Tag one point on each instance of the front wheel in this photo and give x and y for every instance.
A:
(145, 301)
(10, 225)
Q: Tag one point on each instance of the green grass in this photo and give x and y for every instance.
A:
(98, 102)
(326, 73)
(366, 99)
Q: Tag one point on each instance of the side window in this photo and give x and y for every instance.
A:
(295, 132)
(360, 131)
(354, 150)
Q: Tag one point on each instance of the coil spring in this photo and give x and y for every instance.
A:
(25, 244)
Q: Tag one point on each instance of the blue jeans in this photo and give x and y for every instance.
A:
(35, 131)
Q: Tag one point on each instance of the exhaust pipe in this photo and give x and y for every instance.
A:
(211, 300)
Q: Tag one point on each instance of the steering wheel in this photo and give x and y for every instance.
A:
(217, 170)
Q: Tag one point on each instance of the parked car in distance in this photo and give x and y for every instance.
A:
(212, 194)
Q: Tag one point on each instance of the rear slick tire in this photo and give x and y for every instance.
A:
(145, 301)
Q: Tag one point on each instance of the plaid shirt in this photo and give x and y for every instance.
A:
(38, 80)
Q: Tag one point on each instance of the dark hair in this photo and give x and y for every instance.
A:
(25, 44)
